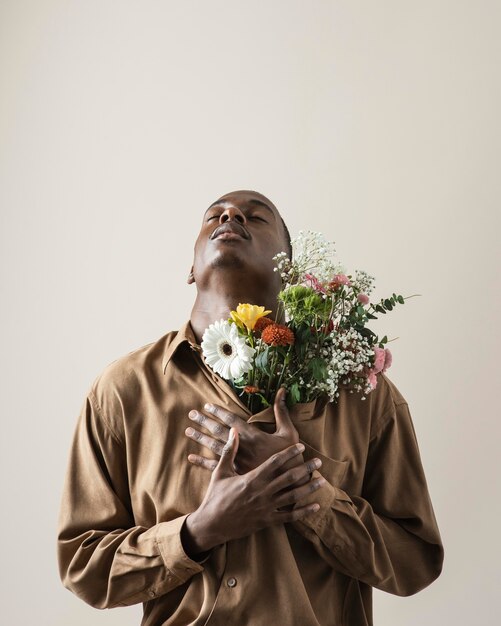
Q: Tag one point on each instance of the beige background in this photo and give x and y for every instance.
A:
(374, 122)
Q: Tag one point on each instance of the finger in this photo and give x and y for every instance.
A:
(270, 466)
(296, 495)
(209, 464)
(282, 416)
(216, 428)
(205, 440)
(228, 418)
(225, 465)
(294, 475)
(284, 517)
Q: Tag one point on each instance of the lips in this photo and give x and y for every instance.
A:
(230, 231)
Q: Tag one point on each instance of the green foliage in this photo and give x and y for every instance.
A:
(387, 304)
(294, 395)
(317, 367)
(261, 362)
(304, 337)
(304, 303)
(264, 401)
(366, 332)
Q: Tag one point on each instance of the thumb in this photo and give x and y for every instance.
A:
(282, 417)
(225, 465)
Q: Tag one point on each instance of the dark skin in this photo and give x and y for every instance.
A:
(259, 476)
(235, 267)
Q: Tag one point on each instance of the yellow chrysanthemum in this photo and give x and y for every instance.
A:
(247, 315)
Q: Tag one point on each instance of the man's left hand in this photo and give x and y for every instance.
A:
(255, 446)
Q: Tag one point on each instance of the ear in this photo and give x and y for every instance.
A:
(191, 277)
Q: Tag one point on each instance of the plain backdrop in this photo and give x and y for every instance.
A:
(376, 123)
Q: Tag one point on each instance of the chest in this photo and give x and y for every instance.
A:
(164, 484)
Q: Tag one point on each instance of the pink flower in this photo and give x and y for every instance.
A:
(338, 280)
(379, 361)
(314, 283)
(387, 360)
(372, 378)
(363, 298)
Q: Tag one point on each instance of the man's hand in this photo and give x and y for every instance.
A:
(255, 445)
(236, 505)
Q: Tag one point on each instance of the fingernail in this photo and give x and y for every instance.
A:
(229, 444)
(208, 406)
(192, 414)
(315, 507)
(317, 463)
(300, 447)
(189, 431)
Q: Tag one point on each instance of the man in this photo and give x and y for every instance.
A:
(179, 498)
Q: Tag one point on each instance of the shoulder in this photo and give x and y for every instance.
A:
(371, 412)
(384, 401)
(122, 380)
(390, 389)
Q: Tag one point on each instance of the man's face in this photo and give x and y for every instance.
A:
(241, 230)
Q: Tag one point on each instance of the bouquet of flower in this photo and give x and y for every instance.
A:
(318, 340)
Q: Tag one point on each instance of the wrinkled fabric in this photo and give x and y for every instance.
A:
(129, 487)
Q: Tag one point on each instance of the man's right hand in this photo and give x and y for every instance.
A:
(237, 505)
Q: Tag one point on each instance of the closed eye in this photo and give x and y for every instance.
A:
(256, 217)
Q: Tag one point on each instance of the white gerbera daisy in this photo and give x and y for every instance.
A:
(225, 351)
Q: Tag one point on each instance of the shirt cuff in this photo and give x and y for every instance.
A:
(177, 562)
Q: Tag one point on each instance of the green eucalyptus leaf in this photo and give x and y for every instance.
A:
(366, 332)
(262, 360)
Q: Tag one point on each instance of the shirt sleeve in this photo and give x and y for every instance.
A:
(388, 537)
(104, 557)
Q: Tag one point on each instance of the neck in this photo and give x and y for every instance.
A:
(211, 306)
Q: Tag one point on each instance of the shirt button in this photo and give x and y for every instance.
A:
(152, 593)
(231, 582)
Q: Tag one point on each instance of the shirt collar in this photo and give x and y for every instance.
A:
(184, 334)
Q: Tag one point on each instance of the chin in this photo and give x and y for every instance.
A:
(232, 261)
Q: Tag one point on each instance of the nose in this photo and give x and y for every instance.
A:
(232, 213)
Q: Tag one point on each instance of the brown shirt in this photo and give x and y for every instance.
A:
(129, 488)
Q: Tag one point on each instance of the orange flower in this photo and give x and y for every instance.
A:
(251, 389)
(277, 335)
(262, 323)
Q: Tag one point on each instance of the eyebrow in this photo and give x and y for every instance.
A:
(251, 201)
